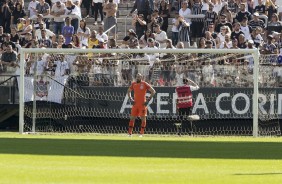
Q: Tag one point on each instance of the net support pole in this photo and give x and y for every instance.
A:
(255, 94)
(21, 93)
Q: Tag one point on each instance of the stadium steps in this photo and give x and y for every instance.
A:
(7, 112)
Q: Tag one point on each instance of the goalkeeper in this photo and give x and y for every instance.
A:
(184, 101)
(140, 102)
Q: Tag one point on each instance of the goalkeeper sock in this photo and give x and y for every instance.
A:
(143, 125)
(130, 128)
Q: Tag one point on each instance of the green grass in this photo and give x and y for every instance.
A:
(35, 159)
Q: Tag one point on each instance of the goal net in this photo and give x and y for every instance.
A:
(75, 90)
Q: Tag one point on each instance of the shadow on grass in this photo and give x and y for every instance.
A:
(142, 148)
(258, 174)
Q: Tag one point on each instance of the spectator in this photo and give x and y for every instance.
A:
(68, 30)
(17, 14)
(185, 11)
(217, 5)
(57, 10)
(174, 30)
(145, 36)
(74, 11)
(197, 23)
(154, 20)
(164, 13)
(111, 9)
(242, 41)
(8, 59)
(210, 18)
(242, 13)
(256, 22)
(75, 41)
(32, 8)
(269, 47)
(133, 42)
(43, 8)
(271, 8)
(38, 21)
(140, 25)
(256, 37)
(142, 7)
(223, 22)
(44, 41)
(87, 4)
(245, 28)
(27, 28)
(101, 34)
(84, 33)
(274, 24)
(183, 34)
(93, 41)
(260, 8)
(98, 7)
(1, 35)
(7, 41)
(224, 10)
(7, 9)
(14, 35)
(160, 36)
(62, 67)
(38, 32)
(233, 7)
(236, 31)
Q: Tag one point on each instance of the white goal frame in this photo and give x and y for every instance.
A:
(254, 52)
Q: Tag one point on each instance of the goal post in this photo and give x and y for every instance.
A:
(253, 52)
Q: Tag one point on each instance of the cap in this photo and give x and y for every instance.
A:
(58, 1)
(256, 14)
(270, 36)
(274, 33)
(250, 41)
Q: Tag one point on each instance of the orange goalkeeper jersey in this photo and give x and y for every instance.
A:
(140, 90)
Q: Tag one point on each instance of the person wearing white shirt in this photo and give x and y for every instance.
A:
(102, 35)
(32, 8)
(155, 56)
(74, 11)
(62, 68)
(57, 10)
(185, 11)
(84, 33)
(37, 34)
(160, 36)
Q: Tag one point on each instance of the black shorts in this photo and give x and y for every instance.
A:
(184, 112)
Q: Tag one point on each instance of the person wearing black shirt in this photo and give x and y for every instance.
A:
(243, 13)
(235, 34)
(260, 8)
(223, 22)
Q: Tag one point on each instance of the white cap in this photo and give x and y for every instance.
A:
(256, 14)
(101, 40)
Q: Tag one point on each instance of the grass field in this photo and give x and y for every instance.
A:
(35, 159)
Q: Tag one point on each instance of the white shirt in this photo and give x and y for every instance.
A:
(217, 7)
(161, 37)
(49, 34)
(104, 36)
(75, 11)
(83, 39)
(61, 68)
(31, 6)
(55, 9)
(152, 57)
(174, 28)
(40, 67)
(184, 14)
(246, 31)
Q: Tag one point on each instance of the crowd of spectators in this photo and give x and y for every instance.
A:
(206, 24)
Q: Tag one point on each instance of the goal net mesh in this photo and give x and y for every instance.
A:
(87, 92)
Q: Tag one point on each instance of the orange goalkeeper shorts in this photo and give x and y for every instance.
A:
(139, 110)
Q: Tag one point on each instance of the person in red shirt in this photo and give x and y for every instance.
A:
(139, 108)
(184, 101)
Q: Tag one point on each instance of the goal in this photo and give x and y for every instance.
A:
(84, 90)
